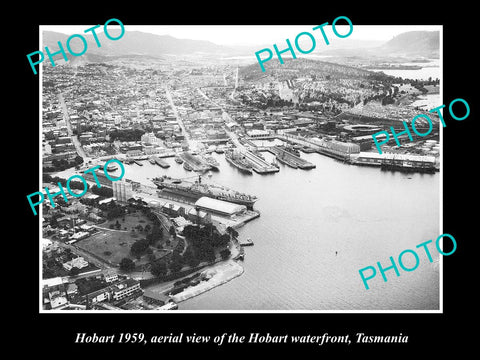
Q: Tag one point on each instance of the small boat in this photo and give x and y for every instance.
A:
(187, 166)
(110, 167)
(178, 159)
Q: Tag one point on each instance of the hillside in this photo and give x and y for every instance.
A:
(302, 67)
(414, 43)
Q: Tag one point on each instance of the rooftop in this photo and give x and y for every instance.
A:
(219, 205)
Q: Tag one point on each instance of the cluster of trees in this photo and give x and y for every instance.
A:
(126, 135)
(78, 185)
(139, 247)
(112, 210)
(103, 191)
(203, 242)
(127, 264)
(142, 246)
(62, 164)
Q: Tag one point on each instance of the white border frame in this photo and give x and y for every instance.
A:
(151, 312)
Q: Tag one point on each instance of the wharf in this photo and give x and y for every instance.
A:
(195, 162)
(259, 165)
(160, 162)
(290, 159)
(247, 242)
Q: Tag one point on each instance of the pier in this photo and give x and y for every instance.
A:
(259, 165)
(290, 159)
(160, 162)
(195, 162)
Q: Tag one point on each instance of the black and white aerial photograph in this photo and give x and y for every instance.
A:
(240, 168)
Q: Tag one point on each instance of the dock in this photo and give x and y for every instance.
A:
(247, 242)
(259, 165)
(290, 159)
(160, 162)
(195, 162)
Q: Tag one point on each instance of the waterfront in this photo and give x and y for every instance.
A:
(431, 70)
(362, 213)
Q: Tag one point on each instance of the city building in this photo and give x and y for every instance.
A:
(149, 138)
(255, 133)
(114, 292)
(125, 288)
(110, 277)
(78, 263)
(173, 210)
(198, 216)
(122, 190)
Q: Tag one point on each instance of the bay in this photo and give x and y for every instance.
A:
(317, 229)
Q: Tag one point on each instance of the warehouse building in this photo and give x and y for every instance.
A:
(219, 207)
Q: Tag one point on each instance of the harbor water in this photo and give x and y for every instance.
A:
(317, 228)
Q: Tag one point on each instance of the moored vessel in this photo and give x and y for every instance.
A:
(238, 160)
(195, 190)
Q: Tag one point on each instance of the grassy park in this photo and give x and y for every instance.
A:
(116, 236)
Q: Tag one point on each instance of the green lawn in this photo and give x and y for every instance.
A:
(114, 245)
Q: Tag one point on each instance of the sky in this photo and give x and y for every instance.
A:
(255, 34)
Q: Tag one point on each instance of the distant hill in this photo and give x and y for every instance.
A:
(293, 68)
(414, 43)
(133, 43)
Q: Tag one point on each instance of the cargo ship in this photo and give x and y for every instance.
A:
(238, 160)
(192, 191)
(290, 149)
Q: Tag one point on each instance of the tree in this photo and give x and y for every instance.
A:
(225, 253)
(139, 247)
(232, 232)
(74, 271)
(190, 258)
(176, 262)
(127, 264)
(159, 268)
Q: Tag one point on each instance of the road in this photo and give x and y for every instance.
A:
(74, 138)
(192, 144)
(230, 134)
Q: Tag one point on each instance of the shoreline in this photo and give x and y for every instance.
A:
(216, 275)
